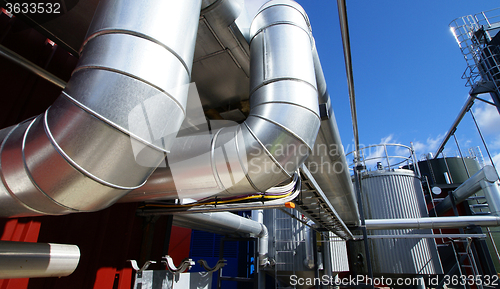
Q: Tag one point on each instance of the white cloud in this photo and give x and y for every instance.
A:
(488, 119)
(430, 145)
(496, 161)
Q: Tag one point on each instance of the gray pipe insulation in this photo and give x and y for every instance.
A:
(29, 260)
(114, 121)
(328, 163)
(281, 128)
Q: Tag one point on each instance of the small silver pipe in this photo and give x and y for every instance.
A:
(29, 260)
(228, 223)
(309, 245)
(432, 223)
(18, 59)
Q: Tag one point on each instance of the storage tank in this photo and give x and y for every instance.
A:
(453, 168)
(392, 192)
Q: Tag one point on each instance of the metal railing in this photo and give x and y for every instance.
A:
(473, 33)
(386, 157)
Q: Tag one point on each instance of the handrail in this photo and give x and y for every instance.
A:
(384, 156)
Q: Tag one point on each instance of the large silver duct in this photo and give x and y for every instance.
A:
(328, 163)
(29, 260)
(485, 179)
(227, 223)
(282, 125)
(432, 223)
(114, 121)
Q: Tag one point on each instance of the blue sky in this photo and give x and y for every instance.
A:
(407, 72)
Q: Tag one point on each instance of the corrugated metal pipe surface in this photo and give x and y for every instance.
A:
(282, 125)
(28, 260)
(227, 223)
(114, 121)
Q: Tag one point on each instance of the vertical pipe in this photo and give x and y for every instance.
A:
(492, 194)
(357, 178)
(461, 156)
(450, 177)
(309, 246)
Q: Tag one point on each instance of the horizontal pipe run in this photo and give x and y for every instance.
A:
(18, 59)
(30, 260)
(227, 223)
(432, 223)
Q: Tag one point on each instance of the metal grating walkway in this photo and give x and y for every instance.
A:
(313, 203)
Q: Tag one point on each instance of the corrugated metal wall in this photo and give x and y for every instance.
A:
(391, 195)
(286, 239)
(338, 249)
(287, 244)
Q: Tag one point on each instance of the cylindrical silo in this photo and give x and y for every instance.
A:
(455, 168)
(396, 194)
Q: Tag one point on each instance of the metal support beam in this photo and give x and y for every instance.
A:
(344, 29)
(468, 104)
(23, 62)
(424, 236)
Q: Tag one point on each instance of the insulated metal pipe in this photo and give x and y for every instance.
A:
(432, 223)
(328, 163)
(282, 125)
(114, 121)
(492, 193)
(29, 260)
(482, 178)
(227, 223)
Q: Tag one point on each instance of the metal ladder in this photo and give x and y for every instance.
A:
(284, 244)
